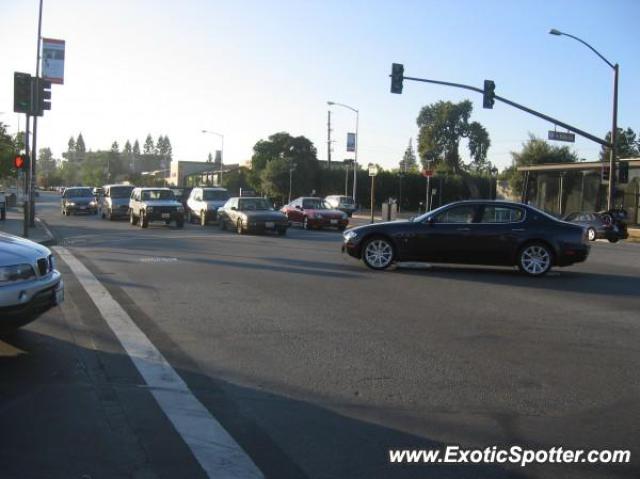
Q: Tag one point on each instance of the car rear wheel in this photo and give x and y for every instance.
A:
(535, 259)
(378, 253)
(591, 234)
(203, 218)
(239, 227)
(132, 218)
(144, 221)
(305, 223)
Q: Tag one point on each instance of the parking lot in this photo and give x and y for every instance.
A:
(315, 365)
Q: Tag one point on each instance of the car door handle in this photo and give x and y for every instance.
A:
(517, 229)
(463, 229)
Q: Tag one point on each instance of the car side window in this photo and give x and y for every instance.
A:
(457, 214)
(501, 214)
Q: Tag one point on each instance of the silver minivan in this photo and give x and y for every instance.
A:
(29, 281)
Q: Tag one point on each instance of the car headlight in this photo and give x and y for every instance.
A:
(180, 209)
(16, 273)
(93, 203)
(349, 235)
(70, 203)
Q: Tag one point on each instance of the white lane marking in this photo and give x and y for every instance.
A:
(216, 451)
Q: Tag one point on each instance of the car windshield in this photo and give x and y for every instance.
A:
(215, 195)
(157, 195)
(253, 204)
(314, 204)
(78, 193)
(120, 191)
(177, 193)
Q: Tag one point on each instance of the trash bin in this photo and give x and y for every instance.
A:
(389, 210)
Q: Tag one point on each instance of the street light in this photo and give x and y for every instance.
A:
(614, 129)
(221, 149)
(355, 161)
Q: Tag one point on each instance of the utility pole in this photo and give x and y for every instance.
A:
(329, 137)
(33, 158)
(26, 204)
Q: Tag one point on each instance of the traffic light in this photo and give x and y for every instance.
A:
(43, 96)
(488, 98)
(21, 92)
(397, 75)
(605, 173)
(623, 172)
(21, 162)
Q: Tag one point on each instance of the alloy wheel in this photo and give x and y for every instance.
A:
(378, 254)
(535, 260)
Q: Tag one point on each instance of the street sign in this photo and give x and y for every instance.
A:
(562, 136)
(351, 142)
(427, 173)
(373, 170)
(53, 60)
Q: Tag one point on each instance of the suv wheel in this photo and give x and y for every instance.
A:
(132, 218)
(239, 227)
(144, 221)
(203, 218)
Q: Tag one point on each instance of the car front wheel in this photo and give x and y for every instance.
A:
(378, 253)
(591, 234)
(535, 259)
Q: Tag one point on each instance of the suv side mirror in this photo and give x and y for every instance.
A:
(298, 207)
(234, 208)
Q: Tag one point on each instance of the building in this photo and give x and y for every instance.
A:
(191, 173)
(562, 188)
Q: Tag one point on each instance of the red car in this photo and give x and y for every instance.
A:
(313, 212)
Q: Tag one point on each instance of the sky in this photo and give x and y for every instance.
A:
(248, 69)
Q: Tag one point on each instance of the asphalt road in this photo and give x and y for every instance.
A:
(314, 364)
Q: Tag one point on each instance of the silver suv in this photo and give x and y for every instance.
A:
(115, 202)
(203, 204)
(155, 204)
(29, 282)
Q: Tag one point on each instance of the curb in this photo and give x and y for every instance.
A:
(51, 239)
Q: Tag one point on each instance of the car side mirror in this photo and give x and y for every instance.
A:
(431, 221)
(298, 207)
(234, 208)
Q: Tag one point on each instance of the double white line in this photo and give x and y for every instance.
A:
(216, 451)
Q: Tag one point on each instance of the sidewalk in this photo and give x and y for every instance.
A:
(13, 225)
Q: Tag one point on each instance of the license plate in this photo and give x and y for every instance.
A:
(334, 222)
(270, 224)
(83, 207)
(166, 216)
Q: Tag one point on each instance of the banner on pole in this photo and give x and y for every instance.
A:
(351, 142)
(53, 60)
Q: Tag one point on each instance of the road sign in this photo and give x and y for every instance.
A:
(562, 136)
(53, 60)
(427, 173)
(373, 170)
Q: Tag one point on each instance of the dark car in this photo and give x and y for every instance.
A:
(311, 212)
(473, 232)
(78, 199)
(600, 225)
(251, 215)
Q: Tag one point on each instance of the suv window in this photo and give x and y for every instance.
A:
(457, 214)
(215, 195)
(157, 195)
(501, 214)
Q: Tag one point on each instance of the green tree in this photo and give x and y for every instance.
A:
(149, 148)
(626, 145)
(136, 148)
(115, 148)
(536, 151)
(46, 169)
(297, 151)
(8, 149)
(127, 148)
(81, 148)
(275, 179)
(409, 161)
(209, 158)
(442, 126)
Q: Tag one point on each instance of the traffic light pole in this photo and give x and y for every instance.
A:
(577, 131)
(26, 204)
(33, 157)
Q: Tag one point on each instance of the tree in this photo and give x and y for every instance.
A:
(115, 148)
(275, 179)
(626, 145)
(298, 151)
(80, 146)
(149, 148)
(209, 158)
(8, 149)
(409, 161)
(536, 151)
(442, 125)
(136, 149)
(47, 171)
(71, 145)
(127, 148)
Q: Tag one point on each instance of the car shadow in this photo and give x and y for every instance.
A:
(557, 279)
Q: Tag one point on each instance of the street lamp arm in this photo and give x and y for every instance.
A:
(343, 105)
(556, 32)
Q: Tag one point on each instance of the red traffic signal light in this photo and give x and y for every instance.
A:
(20, 162)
